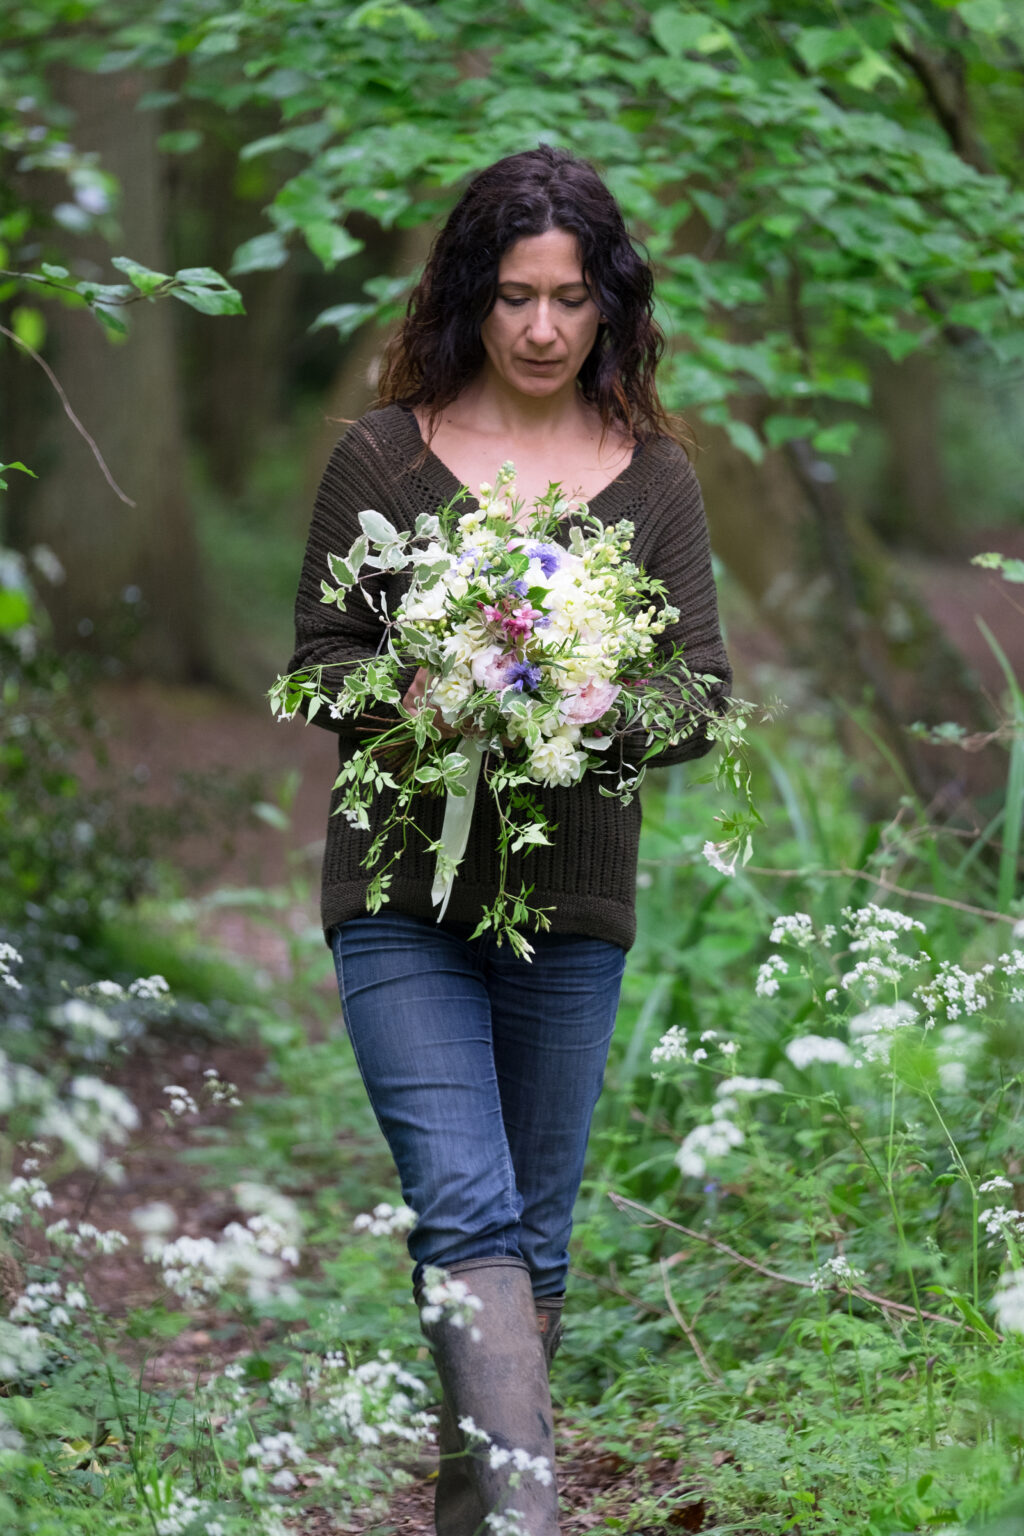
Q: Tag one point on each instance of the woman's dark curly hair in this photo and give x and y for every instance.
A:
(438, 349)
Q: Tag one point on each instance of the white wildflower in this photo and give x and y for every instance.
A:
(448, 1298)
(181, 1101)
(873, 1029)
(218, 1090)
(1002, 1223)
(1008, 1302)
(83, 1018)
(9, 956)
(385, 1220)
(21, 1351)
(672, 1046)
(149, 989)
(837, 1271)
(747, 1085)
(713, 853)
(955, 991)
(996, 1182)
(113, 1111)
(808, 1049)
(768, 974)
(707, 1143)
(84, 1238)
(798, 929)
(874, 927)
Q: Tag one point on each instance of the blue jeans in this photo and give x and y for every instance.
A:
(483, 1071)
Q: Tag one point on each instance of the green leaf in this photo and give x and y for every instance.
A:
(15, 610)
(837, 439)
(680, 32)
(57, 273)
(345, 318)
(818, 46)
(783, 429)
(377, 527)
(181, 142)
(375, 15)
(990, 17)
(29, 326)
(204, 289)
(263, 253)
(330, 242)
(143, 278)
(743, 437)
(870, 69)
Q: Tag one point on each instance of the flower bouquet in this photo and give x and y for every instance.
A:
(538, 637)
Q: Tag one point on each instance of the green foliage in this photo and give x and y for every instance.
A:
(812, 190)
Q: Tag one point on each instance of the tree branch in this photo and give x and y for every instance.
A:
(66, 403)
(623, 1204)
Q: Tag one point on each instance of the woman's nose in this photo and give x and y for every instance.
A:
(542, 329)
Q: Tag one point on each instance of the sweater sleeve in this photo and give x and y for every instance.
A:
(679, 554)
(355, 479)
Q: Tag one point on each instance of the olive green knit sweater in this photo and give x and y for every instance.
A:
(588, 874)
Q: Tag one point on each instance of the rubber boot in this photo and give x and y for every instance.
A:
(550, 1325)
(495, 1373)
(458, 1506)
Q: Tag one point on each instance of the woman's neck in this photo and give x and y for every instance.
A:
(505, 414)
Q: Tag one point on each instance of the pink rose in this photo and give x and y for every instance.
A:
(587, 704)
(490, 666)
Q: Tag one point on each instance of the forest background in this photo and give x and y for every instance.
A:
(209, 218)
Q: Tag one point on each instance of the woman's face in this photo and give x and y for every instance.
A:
(544, 321)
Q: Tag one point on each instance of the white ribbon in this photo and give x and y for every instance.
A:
(458, 814)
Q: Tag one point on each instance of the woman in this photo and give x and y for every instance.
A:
(530, 338)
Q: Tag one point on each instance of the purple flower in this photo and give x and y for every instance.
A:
(549, 556)
(519, 587)
(525, 676)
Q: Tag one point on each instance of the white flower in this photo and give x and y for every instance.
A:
(874, 927)
(713, 854)
(767, 983)
(423, 603)
(556, 762)
(671, 1046)
(1008, 1302)
(883, 1017)
(181, 1101)
(747, 1085)
(836, 1271)
(385, 1220)
(448, 1298)
(149, 988)
(9, 956)
(1000, 1222)
(807, 1049)
(706, 1143)
(452, 692)
(996, 1182)
(797, 929)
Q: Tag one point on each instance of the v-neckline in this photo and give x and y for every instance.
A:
(442, 469)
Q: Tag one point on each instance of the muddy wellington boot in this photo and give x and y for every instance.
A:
(499, 1380)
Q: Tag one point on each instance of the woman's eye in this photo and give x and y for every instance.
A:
(574, 303)
(513, 303)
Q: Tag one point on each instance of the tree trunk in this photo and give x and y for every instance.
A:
(912, 506)
(132, 572)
